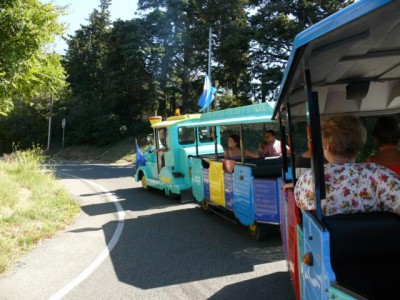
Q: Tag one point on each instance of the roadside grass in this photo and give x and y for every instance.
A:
(33, 205)
(123, 152)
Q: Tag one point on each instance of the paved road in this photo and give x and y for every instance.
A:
(128, 243)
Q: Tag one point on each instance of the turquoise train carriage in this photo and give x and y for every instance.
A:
(248, 190)
(168, 167)
(347, 63)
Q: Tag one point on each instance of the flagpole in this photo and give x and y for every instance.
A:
(209, 58)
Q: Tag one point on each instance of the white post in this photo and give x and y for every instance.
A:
(64, 121)
(51, 115)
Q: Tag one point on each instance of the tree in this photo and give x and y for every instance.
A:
(275, 24)
(182, 36)
(85, 63)
(27, 26)
(130, 90)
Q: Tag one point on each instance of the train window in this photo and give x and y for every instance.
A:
(186, 135)
(206, 134)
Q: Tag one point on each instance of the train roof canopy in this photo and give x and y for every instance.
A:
(175, 120)
(354, 61)
(249, 114)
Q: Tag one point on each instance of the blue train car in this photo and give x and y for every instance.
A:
(249, 189)
(347, 63)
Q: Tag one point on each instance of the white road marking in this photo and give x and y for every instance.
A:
(105, 253)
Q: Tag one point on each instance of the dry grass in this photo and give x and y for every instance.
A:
(33, 205)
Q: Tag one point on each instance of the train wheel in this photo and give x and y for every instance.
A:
(145, 186)
(205, 206)
(174, 196)
(258, 231)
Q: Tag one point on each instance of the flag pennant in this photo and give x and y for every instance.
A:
(140, 159)
(207, 97)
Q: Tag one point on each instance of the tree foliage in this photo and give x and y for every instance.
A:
(120, 72)
(27, 26)
(274, 26)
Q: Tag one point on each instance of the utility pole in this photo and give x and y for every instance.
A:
(51, 115)
(209, 52)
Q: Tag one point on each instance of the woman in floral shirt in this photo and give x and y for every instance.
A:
(350, 187)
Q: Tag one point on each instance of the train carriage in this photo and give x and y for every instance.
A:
(247, 190)
(347, 63)
(169, 169)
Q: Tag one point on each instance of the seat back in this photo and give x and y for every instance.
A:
(364, 238)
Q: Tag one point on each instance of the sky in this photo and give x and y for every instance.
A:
(79, 11)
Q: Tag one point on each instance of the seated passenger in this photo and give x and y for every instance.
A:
(234, 151)
(303, 163)
(350, 187)
(386, 136)
(162, 147)
(270, 146)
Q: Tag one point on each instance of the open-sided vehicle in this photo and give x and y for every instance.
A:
(168, 167)
(347, 63)
(247, 190)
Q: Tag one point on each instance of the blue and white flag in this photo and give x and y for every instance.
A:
(140, 159)
(207, 96)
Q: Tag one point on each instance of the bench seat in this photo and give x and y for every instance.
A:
(365, 253)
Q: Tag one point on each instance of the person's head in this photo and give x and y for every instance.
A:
(162, 132)
(343, 136)
(386, 131)
(270, 136)
(234, 141)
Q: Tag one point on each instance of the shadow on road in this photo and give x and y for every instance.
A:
(264, 287)
(164, 243)
(173, 247)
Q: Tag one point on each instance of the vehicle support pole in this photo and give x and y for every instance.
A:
(216, 143)
(197, 141)
(291, 144)
(317, 161)
(283, 147)
(241, 143)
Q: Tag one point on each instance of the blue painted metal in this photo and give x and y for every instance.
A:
(316, 279)
(206, 185)
(266, 206)
(243, 194)
(229, 200)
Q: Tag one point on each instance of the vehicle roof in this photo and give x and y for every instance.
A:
(354, 61)
(249, 114)
(175, 120)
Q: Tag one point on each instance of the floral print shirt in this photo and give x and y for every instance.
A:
(351, 188)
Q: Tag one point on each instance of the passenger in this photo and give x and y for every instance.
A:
(162, 144)
(234, 151)
(303, 163)
(386, 136)
(350, 187)
(162, 136)
(271, 146)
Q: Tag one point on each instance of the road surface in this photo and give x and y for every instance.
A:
(128, 243)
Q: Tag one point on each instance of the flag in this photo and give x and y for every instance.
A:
(207, 96)
(140, 159)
